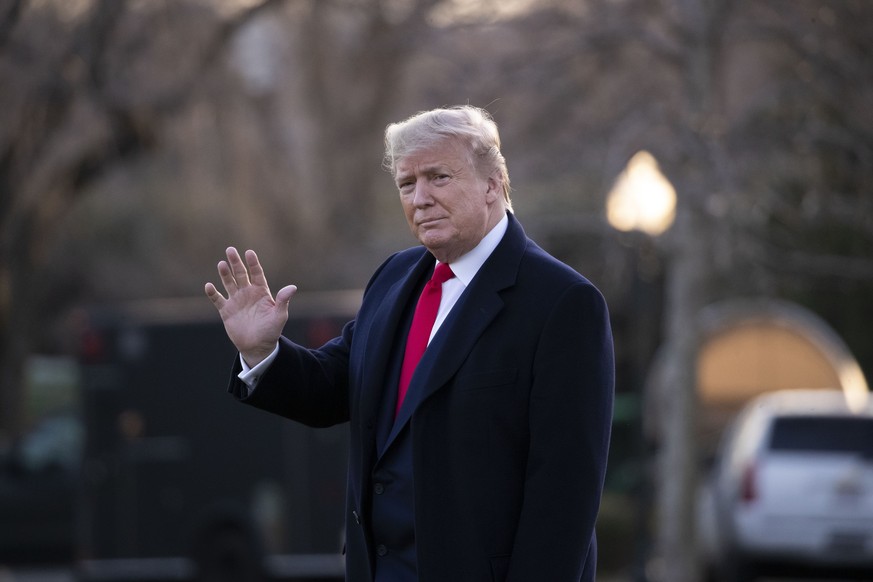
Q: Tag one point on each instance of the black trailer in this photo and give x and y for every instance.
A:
(181, 482)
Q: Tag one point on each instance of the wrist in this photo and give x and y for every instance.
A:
(253, 358)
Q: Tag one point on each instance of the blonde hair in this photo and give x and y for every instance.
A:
(470, 125)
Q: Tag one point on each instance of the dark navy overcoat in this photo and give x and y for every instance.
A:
(507, 419)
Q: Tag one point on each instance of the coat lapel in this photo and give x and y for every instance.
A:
(379, 343)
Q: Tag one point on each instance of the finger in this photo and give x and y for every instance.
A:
(283, 297)
(214, 296)
(256, 272)
(237, 267)
(227, 278)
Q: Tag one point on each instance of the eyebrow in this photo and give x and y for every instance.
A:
(426, 170)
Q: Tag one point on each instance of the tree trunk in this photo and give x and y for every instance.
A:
(678, 454)
(688, 274)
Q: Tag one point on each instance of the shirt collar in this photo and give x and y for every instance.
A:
(466, 267)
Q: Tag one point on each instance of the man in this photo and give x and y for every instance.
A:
(485, 459)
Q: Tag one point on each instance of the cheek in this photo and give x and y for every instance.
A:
(470, 212)
(408, 208)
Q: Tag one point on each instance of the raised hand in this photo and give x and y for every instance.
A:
(252, 318)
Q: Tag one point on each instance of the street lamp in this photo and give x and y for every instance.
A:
(642, 203)
(642, 198)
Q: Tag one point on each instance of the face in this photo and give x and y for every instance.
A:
(448, 205)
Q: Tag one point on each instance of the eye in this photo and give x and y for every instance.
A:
(440, 179)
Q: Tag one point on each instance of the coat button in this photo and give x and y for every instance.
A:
(378, 489)
(381, 550)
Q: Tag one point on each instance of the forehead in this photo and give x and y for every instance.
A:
(442, 153)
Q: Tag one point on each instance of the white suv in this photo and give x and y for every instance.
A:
(792, 488)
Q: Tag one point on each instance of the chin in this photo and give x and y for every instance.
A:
(431, 240)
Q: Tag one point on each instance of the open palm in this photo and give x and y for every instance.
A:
(252, 317)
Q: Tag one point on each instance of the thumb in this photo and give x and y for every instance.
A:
(283, 297)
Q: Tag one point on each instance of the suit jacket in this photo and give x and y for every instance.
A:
(507, 418)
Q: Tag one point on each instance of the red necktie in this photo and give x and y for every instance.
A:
(422, 323)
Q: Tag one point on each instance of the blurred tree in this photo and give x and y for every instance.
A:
(61, 128)
(128, 138)
(84, 92)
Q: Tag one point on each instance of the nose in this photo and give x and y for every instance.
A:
(422, 197)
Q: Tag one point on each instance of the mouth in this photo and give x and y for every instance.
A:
(427, 222)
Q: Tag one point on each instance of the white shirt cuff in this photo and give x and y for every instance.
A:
(250, 376)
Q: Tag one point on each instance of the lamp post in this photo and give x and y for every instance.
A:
(642, 205)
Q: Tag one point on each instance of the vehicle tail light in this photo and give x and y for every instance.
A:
(748, 485)
(91, 348)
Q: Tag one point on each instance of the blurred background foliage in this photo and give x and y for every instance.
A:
(139, 138)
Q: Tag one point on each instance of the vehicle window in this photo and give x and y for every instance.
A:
(823, 434)
(56, 442)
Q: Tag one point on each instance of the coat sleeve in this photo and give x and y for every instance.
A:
(307, 385)
(570, 420)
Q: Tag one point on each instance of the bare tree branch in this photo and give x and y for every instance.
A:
(9, 19)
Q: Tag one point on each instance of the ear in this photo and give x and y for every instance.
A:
(494, 187)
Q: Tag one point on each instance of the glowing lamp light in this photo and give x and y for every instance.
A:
(642, 198)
